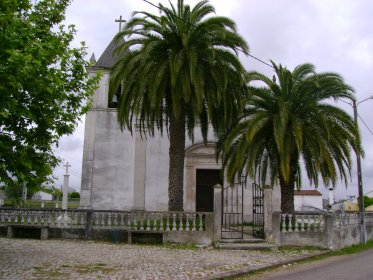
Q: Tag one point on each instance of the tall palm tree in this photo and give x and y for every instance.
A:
(179, 70)
(290, 122)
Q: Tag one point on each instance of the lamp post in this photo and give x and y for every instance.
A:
(359, 177)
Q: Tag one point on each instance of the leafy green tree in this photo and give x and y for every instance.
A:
(368, 201)
(74, 195)
(182, 72)
(289, 123)
(43, 87)
(14, 190)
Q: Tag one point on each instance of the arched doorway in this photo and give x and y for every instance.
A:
(202, 173)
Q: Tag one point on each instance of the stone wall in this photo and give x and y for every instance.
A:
(116, 226)
(327, 230)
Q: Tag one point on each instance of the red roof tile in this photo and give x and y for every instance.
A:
(307, 192)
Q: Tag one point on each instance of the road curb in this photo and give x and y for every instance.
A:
(247, 270)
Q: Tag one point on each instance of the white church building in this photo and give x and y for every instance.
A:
(124, 171)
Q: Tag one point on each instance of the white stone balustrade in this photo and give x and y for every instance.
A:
(302, 222)
(37, 217)
(165, 221)
(326, 229)
(133, 221)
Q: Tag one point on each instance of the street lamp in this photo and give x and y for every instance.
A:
(359, 177)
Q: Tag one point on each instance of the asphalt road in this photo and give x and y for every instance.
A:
(352, 267)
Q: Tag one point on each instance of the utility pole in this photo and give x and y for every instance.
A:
(359, 182)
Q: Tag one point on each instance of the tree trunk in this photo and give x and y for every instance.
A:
(287, 188)
(176, 168)
(287, 198)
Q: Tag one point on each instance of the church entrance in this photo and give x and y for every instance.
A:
(206, 179)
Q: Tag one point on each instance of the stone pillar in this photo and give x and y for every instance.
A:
(140, 172)
(268, 209)
(218, 208)
(88, 225)
(43, 233)
(190, 186)
(329, 231)
(10, 232)
(64, 191)
(275, 233)
(24, 193)
(65, 186)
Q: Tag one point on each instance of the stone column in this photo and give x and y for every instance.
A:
(65, 186)
(276, 233)
(218, 208)
(190, 185)
(43, 233)
(10, 232)
(24, 194)
(88, 224)
(329, 231)
(268, 209)
(140, 172)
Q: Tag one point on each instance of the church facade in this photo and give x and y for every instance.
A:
(124, 171)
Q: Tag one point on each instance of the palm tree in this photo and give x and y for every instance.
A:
(179, 70)
(290, 122)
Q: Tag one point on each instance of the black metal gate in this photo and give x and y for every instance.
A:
(232, 214)
(258, 211)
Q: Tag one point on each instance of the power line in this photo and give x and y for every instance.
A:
(71, 171)
(362, 120)
(365, 124)
(71, 168)
(66, 158)
(212, 35)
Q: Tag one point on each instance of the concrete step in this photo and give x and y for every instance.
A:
(243, 240)
(247, 246)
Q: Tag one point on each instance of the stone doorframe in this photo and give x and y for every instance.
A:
(198, 156)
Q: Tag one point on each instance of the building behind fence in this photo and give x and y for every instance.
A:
(322, 229)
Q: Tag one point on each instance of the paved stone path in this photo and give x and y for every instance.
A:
(76, 259)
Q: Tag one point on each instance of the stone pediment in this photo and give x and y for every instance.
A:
(201, 150)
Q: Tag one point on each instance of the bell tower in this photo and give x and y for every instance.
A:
(108, 153)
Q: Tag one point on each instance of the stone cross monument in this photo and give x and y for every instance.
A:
(65, 186)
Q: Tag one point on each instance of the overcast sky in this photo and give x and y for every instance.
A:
(334, 35)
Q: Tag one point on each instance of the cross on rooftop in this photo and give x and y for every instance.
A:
(120, 20)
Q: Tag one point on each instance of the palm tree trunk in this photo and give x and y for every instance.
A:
(287, 198)
(176, 168)
(287, 188)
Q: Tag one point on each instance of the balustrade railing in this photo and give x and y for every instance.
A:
(166, 221)
(345, 219)
(42, 217)
(302, 222)
(129, 220)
